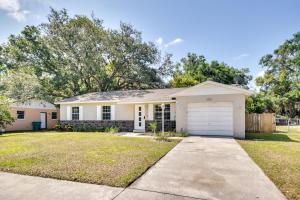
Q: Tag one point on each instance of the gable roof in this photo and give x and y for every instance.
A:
(125, 96)
(34, 104)
(213, 88)
(155, 95)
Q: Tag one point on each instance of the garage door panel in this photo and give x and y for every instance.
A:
(203, 124)
(209, 110)
(210, 118)
(211, 128)
(209, 132)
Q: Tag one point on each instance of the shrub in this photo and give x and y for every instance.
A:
(68, 127)
(111, 130)
(58, 127)
(153, 127)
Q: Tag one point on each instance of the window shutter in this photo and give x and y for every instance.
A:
(112, 112)
(150, 112)
(69, 113)
(99, 112)
(80, 112)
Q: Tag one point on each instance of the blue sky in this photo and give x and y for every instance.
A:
(238, 32)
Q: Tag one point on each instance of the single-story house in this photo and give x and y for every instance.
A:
(35, 110)
(208, 108)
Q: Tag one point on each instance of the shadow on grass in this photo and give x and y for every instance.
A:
(269, 137)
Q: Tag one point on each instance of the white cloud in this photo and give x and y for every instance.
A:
(159, 41)
(176, 41)
(239, 57)
(13, 9)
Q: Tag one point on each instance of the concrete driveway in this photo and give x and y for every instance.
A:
(204, 168)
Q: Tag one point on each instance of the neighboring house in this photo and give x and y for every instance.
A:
(209, 108)
(35, 110)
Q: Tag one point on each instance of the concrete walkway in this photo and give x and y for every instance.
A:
(20, 187)
(204, 168)
(197, 168)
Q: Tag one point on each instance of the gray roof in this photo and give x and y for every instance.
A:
(125, 96)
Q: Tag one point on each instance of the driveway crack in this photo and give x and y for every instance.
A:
(178, 195)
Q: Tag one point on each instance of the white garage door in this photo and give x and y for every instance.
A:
(210, 118)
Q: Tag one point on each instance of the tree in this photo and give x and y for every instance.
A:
(76, 55)
(5, 116)
(281, 80)
(194, 69)
(21, 85)
(260, 103)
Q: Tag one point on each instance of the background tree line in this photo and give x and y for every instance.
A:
(69, 56)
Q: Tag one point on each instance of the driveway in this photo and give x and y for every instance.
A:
(197, 168)
(204, 168)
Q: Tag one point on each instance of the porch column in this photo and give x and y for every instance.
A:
(150, 111)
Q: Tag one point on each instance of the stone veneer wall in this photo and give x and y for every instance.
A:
(123, 125)
(170, 125)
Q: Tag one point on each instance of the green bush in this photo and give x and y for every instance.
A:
(68, 127)
(58, 127)
(153, 127)
(111, 130)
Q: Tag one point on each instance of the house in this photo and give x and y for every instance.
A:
(35, 110)
(208, 108)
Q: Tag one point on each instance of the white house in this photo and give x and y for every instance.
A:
(208, 108)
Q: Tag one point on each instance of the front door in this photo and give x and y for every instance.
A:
(43, 117)
(139, 122)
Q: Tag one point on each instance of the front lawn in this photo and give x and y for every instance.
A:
(278, 155)
(85, 157)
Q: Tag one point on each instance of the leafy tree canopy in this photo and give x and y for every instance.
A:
(281, 81)
(194, 69)
(74, 55)
(5, 116)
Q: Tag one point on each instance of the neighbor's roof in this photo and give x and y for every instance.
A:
(126, 96)
(34, 104)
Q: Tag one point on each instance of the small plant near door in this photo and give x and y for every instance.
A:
(153, 127)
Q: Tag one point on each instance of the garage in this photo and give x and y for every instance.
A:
(210, 118)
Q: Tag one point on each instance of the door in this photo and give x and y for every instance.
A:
(210, 118)
(139, 121)
(43, 117)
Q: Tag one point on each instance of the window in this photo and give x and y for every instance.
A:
(75, 113)
(54, 115)
(158, 111)
(20, 114)
(106, 113)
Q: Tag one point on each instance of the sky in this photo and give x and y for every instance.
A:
(237, 32)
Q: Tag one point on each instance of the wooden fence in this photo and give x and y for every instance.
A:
(260, 123)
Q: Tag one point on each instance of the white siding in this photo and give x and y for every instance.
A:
(150, 111)
(68, 113)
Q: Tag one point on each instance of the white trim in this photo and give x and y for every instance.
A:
(145, 102)
(112, 112)
(84, 102)
(99, 112)
(80, 112)
(69, 114)
(118, 102)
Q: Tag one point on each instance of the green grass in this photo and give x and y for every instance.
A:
(84, 157)
(278, 155)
